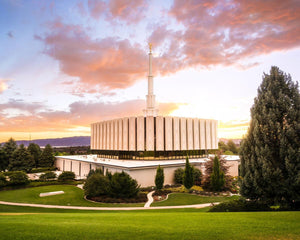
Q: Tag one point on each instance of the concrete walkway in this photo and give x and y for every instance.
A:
(106, 208)
(150, 199)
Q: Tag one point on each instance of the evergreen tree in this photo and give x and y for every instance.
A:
(188, 179)
(217, 176)
(197, 175)
(159, 178)
(35, 152)
(21, 160)
(123, 186)
(232, 147)
(9, 147)
(3, 159)
(47, 158)
(270, 156)
(178, 175)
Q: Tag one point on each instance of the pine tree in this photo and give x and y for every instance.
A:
(21, 160)
(35, 152)
(47, 158)
(217, 176)
(159, 178)
(188, 179)
(3, 159)
(270, 156)
(9, 147)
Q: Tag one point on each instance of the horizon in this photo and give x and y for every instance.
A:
(67, 64)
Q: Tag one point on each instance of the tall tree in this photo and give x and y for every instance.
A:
(9, 147)
(159, 178)
(47, 158)
(270, 156)
(3, 159)
(35, 152)
(21, 160)
(217, 176)
(232, 147)
(188, 178)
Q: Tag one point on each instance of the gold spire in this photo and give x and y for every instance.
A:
(150, 47)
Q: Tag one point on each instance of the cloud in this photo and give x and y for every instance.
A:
(3, 85)
(10, 34)
(80, 114)
(225, 32)
(125, 10)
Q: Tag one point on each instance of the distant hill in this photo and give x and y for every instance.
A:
(59, 142)
(236, 141)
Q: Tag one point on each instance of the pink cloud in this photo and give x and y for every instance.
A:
(3, 85)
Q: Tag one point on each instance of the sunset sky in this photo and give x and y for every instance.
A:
(66, 64)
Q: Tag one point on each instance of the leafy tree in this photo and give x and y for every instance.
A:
(18, 178)
(232, 147)
(21, 160)
(123, 186)
(270, 156)
(3, 160)
(197, 175)
(178, 175)
(159, 178)
(3, 180)
(66, 176)
(217, 176)
(92, 172)
(188, 179)
(35, 152)
(223, 146)
(9, 147)
(96, 185)
(47, 157)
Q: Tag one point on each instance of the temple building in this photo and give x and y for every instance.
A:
(139, 144)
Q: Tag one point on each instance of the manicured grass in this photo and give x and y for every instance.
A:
(73, 196)
(176, 199)
(152, 225)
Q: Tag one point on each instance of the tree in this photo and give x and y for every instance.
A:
(223, 146)
(96, 185)
(232, 147)
(159, 178)
(66, 176)
(270, 156)
(35, 152)
(3, 181)
(188, 180)
(3, 160)
(217, 176)
(9, 147)
(123, 186)
(18, 178)
(197, 175)
(47, 158)
(178, 175)
(21, 160)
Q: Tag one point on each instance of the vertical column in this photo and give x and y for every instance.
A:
(168, 134)
(140, 134)
(98, 135)
(176, 134)
(159, 133)
(112, 134)
(196, 134)
(116, 134)
(120, 137)
(101, 136)
(202, 134)
(208, 133)
(108, 135)
(190, 134)
(183, 135)
(92, 136)
(125, 134)
(132, 134)
(105, 136)
(150, 133)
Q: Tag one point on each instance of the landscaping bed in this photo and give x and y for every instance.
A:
(141, 198)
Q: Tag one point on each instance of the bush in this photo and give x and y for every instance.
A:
(18, 178)
(3, 181)
(123, 186)
(196, 188)
(39, 170)
(197, 174)
(178, 176)
(240, 205)
(48, 176)
(66, 176)
(96, 185)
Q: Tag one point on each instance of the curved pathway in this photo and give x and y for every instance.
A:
(150, 199)
(105, 208)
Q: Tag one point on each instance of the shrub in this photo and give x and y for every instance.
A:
(159, 178)
(48, 176)
(92, 172)
(18, 178)
(178, 175)
(240, 205)
(228, 152)
(39, 170)
(188, 178)
(197, 189)
(197, 174)
(3, 181)
(123, 186)
(66, 176)
(96, 185)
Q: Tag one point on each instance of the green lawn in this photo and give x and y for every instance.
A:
(170, 224)
(176, 199)
(73, 196)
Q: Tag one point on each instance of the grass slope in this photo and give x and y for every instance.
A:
(73, 196)
(152, 225)
(176, 199)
